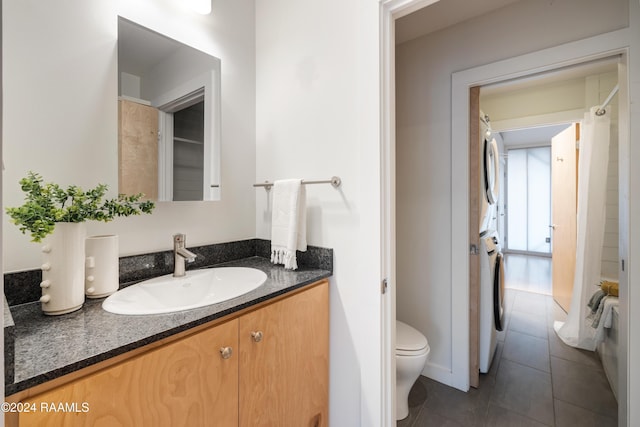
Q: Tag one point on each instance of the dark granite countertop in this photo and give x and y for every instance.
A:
(48, 347)
(9, 340)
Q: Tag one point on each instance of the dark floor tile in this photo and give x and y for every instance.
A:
(525, 386)
(418, 393)
(559, 349)
(502, 417)
(524, 390)
(409, 420)
(529, 323)
(568, 415)
(527, 350)
(417, 397)
(466, 409)
(583, 386)
(431, 419)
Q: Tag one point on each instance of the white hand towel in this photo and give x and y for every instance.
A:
(288, 222)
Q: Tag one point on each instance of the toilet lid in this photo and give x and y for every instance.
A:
(408, 338)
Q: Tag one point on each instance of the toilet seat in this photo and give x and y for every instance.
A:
(409, 341)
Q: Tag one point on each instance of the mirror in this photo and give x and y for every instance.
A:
(168, 117)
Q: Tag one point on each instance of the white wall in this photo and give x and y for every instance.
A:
(629, 220)
(1, 205)
(424, 68)
(171, 73)
(318, 113)
(60, 80)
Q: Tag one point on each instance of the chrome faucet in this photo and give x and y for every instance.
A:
(180, 254)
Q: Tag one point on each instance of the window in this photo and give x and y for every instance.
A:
(529, 199)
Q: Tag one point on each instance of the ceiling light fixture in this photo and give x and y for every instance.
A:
(202, 7)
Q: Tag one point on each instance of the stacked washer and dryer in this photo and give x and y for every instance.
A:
(491, 258)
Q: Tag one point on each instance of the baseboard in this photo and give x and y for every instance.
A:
(444, 375)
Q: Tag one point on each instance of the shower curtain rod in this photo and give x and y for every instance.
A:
(601, 110)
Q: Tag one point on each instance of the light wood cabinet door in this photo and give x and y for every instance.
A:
(284, 350)
(185, 383)
(277, 375)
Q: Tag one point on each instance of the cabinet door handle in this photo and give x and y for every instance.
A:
(226, 352)
(257, 336)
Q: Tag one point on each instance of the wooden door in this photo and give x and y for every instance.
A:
(137, 149)
(284, 377)
(564, 186)
(164, 387)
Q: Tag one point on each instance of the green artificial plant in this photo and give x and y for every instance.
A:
(48, 203)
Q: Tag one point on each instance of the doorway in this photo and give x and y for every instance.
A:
(183, 162)
(540, 208)
(455, 180)
(188, 152)
(532, 227)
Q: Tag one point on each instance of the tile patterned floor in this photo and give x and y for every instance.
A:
(534, 380)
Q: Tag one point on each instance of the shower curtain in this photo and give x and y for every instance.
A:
(592, 180)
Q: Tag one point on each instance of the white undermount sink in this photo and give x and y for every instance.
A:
(198, 288)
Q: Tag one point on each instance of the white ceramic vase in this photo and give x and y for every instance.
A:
(101, 267)
(63, 269)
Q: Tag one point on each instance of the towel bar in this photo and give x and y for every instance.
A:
(335, 181)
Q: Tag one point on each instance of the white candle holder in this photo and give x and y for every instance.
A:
(101, 266)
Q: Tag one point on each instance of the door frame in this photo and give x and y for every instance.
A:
(552, 119)
(390, 10)
(206, 85)
(526, 65)
(166, 141)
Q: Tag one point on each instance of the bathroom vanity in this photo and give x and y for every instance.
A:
(260, 359)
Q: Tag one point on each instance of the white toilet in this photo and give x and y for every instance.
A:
(412, 350)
